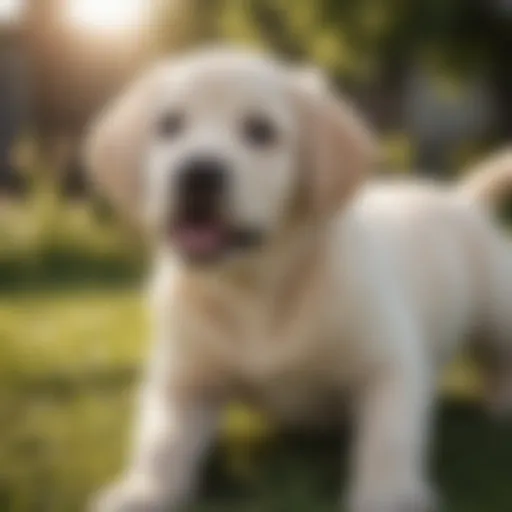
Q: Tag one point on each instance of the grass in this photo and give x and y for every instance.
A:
(45, 242)
(66, 364)
(68, 361)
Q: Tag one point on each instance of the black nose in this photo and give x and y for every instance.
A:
(202, 178)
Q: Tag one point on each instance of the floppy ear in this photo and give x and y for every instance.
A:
(339, 150)
(115, 145)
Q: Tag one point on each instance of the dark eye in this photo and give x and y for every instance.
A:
(259, 131)
(170, 125)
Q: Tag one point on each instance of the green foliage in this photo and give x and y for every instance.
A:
(397, 152)
(354, 40)
(339, 36)
(45, 238)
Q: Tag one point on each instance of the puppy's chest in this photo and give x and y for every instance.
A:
(255, 337)
(270, 348)
(292, 372)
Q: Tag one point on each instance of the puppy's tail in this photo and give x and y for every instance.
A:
(490, 182)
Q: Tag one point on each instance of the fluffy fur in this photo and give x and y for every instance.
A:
(364, 291)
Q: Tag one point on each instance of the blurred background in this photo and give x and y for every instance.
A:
(435, 78)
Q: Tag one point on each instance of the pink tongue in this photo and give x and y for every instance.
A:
(199, 240)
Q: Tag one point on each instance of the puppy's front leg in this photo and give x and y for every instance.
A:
(177, 426)
(393, 419)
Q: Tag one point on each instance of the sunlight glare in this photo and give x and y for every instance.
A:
(10, 10)
(107, 13)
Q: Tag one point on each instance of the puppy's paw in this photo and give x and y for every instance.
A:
(412, 500)
(130, 495)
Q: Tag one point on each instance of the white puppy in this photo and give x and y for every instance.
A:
(274, 282)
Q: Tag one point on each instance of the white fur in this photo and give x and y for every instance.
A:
(371, 297)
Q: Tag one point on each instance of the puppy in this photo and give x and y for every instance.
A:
(281, 277)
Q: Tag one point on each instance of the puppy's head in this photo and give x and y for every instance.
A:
(212, 152)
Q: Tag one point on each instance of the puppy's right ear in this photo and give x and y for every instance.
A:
(116, 142)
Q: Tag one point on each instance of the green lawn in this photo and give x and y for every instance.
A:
(68, 361)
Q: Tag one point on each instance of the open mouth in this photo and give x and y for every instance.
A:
(208, 241)
(200, 240)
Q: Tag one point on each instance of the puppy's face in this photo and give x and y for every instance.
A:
(220, 156)
(212, 150)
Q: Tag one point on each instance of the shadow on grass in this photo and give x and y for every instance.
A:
(472, 464)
